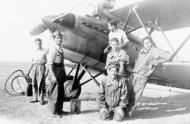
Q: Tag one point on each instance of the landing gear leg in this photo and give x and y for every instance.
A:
(72, 86)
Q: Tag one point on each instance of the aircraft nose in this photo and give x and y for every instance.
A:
(66, 20)
(55, 22)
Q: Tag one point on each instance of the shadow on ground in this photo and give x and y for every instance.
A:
(89, 111)
(162, 106)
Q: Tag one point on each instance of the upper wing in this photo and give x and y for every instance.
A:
(171, 14)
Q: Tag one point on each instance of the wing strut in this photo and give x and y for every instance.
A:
(91, 78)
(127, 19)
(129, 29)
(141, 22)
(179, 48)
(96, 82)
(167, 40)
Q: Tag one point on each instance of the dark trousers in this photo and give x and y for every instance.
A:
(123, 70)
(56, 91)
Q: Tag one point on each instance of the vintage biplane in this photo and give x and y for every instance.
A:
(85, 39)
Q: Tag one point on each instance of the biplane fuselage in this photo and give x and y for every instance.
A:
(85, 38)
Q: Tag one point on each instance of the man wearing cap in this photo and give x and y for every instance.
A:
(148, 58)
(56, 76)
(112, 95)
(38, 72)
(118, 55)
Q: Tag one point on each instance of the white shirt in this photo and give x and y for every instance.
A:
(120, 35)
(55, 54)
(39, 56)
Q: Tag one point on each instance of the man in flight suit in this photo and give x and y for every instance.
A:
(148, 58)
(117, 55)
(112, 95)
(38, 72)
(57, 75)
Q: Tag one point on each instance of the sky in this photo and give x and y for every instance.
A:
(18, 17)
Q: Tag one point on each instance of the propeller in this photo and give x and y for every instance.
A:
(55, 22)
(38, 29)
(47, 23)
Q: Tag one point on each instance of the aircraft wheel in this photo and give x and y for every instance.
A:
(70, 91)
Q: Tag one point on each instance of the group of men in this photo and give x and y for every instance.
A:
(56, 75)
(120, 93)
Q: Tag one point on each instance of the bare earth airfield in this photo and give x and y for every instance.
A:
(159, 105)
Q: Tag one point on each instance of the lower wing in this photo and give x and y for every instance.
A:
(176, 73)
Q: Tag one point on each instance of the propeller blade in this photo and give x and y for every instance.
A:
(38, 29)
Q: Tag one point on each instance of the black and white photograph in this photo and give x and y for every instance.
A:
(95, 62)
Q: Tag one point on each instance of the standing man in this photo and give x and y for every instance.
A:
(56, 76)
(117, 55)
(102, 10)
(115, 32)
(38, 72)
(148, 58)
(112, 95)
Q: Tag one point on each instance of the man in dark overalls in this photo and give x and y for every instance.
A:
(57, 75)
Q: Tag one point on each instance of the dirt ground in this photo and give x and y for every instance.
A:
(159, 105)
